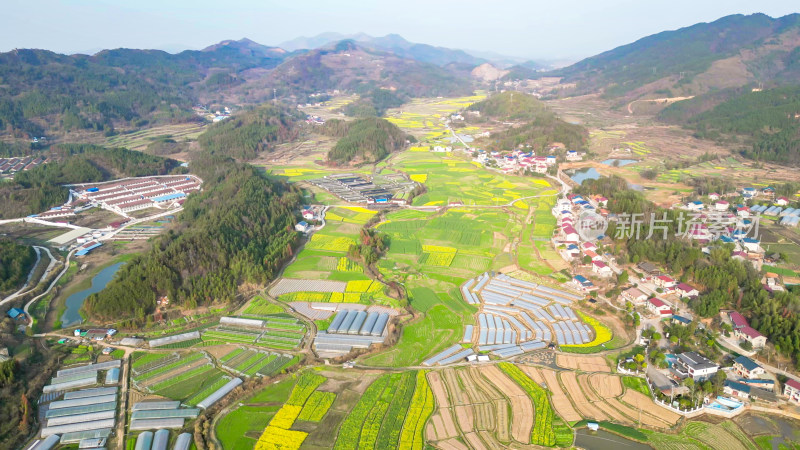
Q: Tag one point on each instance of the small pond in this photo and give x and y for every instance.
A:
(581, 175)
(75, 301)
(619, 162)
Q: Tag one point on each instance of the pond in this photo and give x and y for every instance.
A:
(75, 301)
(603, 440)
(581, 175)
(619, 162)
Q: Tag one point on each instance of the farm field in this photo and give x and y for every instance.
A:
(139, 140)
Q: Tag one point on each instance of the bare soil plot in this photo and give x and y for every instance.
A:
(584, 363)
(499, 402)
(521, 406)
(452, 444)
(475, 441)
(591, 395)
(439, 392)
(490, 441)
(534, 373)
(635, 416)
(481, 403)
(587, 409)
(441, 425)
(639, 400)
(606, 385)
(560, 401)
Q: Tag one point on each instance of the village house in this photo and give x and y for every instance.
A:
(302, 227)
(665, 281)
(658, 307)
(572, 155)
(582, 283)
(713, 196)
(743, 211)
(722, 205)
(747, 368)
(781, 201)
(594, 256)
(743, 330)
(649, 268)
(601, 269)
(634, 296)
(569, 234)
(792, 390)
(686, 291)
(16, 314)
(696, 205)
(736, 389)
(680, 320)
(694, 365)
(308, 214)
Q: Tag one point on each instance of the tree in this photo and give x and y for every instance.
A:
(622, 278)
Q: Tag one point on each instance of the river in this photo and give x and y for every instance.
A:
(75, 301)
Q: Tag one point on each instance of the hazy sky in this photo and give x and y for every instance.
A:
(556, 29)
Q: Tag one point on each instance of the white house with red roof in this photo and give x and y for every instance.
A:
(722, 205)
(781, 201)
(713, 196)
(634, 295)
(665, 281)
(569, 233)
(591, 254)
(601, 268)
(686, 291)
(792, 390)
(659, 307)
(589, 246)
(743, 330)
(743, 211)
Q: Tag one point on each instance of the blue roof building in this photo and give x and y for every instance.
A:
(16, 313)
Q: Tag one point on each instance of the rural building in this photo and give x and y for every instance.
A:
(743, 330)
(792, 390)
(749, 192)
(713, 196)
(649, 268)
(16, 314)
(634, 296)
(582, 283)
(569, 233)
(601, 269)
(781, 201)
(747, 368)
(696, 205)
(764, 384)
(743, 211)
(695, 365)
(681, 320)
(572, 155)
(665, 281)
(686, 291)
(736, 389)
(658, 307)
(751, 245)
(302, 227)
(721, 205)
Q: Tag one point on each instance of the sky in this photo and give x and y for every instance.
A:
(551, 30)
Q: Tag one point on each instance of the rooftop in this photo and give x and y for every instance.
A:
(696, 361)
(747, 363)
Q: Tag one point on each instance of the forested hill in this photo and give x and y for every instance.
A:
(246, 135)
(240, 229)
(766, 123)
(36, 190)
(540, 129)
(41, 90)
(363, 140)
(16, 262)
(350, 66)
(510, 105)
(729, 52)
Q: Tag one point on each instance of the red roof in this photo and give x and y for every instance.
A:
(666, 278)
(685, 287)
(793, 384)
(751, 332)
(599, 264)
(738, 320)
(657, 302)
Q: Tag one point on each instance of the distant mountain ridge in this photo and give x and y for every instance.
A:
(732, 51)
(441, 56)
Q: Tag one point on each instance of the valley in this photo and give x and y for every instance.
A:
(371, 243)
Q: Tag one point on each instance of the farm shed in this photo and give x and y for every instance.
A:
(219, 393)
(155, 424)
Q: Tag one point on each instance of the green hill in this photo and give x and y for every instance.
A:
(767, 123)
(510, 105)
(729, 52)
(363, 140)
